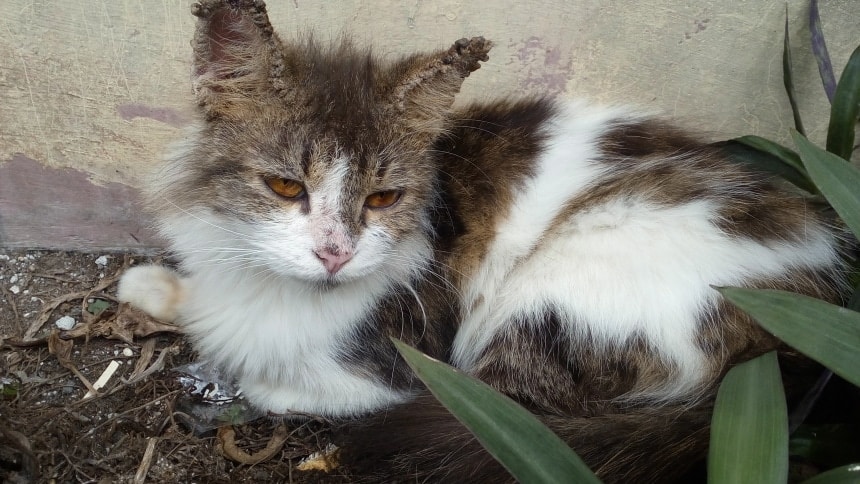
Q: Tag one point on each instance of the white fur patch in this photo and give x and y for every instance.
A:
(622, 269)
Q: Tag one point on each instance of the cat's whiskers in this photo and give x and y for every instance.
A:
(207, 222)
(466, 126)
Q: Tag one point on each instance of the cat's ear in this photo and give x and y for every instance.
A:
(424, 86)
(238, 59)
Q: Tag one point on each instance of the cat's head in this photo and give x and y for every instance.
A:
(315, 161)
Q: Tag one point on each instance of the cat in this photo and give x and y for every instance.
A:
(564, 253)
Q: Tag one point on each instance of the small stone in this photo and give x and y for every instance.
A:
(65, 323)
(13, 279)
(127, 352)
(102, 261)
(14, 289)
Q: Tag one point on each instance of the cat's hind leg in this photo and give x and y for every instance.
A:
(156, 290)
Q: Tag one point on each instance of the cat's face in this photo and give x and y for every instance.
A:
(308, 203)
(314, 162)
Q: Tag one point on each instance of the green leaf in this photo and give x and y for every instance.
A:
(845, 109)
(517, 439)
(786, 155)
(8, 391)
(749, 429)
(765, 155)
(826, 445)
(819, 51)
(849, 474)
(827, 333)
(837, 180)
(97, 306)
(788, 77)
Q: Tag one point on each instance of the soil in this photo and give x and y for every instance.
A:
(135, 428)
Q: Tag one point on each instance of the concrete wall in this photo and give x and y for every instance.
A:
(92, 91)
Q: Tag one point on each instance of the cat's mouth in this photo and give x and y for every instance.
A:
(328, 284)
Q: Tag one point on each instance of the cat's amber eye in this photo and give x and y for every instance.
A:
(285, 187)
(383, 199)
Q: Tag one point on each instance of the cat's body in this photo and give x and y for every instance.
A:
(563, 253)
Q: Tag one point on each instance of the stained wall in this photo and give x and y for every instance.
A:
(93, 91)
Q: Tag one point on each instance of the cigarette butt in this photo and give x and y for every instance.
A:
(103, 379)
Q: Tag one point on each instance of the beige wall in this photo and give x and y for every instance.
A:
(92, 91)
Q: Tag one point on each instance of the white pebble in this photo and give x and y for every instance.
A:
(65, 323)
(13, 279)
(127, 352)
(102, 261)
(14, 289)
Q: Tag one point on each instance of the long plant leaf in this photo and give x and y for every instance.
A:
(835, 178)
(517, 439)
(827, 333)
(819, 51)
(765, 155)
(749, 429)
(786, 155)
(788, 77)
(849, 474)
(845, 109)
(826, 445)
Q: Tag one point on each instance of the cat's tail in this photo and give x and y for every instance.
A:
(421, 441)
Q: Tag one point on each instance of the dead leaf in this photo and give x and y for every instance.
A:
(226, 445)
(61, 348)
(142, 324)
(140, 369)
(122, 325)
(48, 309)
(147, 350)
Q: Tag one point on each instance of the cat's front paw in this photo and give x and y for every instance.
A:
(156, 290)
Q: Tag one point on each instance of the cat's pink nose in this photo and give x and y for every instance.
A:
(333, 261)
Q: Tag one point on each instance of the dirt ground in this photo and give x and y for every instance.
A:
(134, 429)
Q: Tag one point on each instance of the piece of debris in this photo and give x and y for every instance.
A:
(65, 323)
(102, 261)
(127, 352)
(15, 289)
(325, 461)
(211, 399)
(204, 379)
(104, 378)
(226, 445)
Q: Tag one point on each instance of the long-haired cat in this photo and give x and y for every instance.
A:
(563, 253)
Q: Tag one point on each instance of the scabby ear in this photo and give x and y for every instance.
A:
(237, 56)
(424, 86)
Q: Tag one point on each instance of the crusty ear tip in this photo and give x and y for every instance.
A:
(476, 46)
(198, 10)
(468, 53)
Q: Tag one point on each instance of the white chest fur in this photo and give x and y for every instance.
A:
(281, 340)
